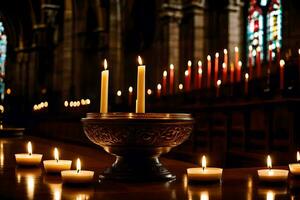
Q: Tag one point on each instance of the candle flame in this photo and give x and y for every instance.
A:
(140, 61)
(299, 51)
(208, 58)
(200, 71)
(199, 63)
(240, 63)
(224, 65)
(29, 148)
(236, 49)
(130, 89)
(180, 86)
(282, 63)
(270, 47)
(56, 155)
(298, 156)
(277, 45)
(165, 73)
(78, 165)
(149, 91)
(225, 51)
(203, 162)
(105, 64)
(186, 73)
(250, 48)
(219, 83)
(246, 76)
(159, 86)
(217, 55)
(269, 162)
(258, 49)
(189, 63)
(119, 93)
(171, 66)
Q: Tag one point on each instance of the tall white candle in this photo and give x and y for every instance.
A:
(140, 107)
(104, 89)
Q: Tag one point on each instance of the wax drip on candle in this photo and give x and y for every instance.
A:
(29, 148)
(203, 162)
(78, 165)
(56, 155)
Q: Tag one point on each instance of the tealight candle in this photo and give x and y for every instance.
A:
(28, 159)
(77, 176)
(295, 167)
(56, 165)
(204, 173)
(272, 175)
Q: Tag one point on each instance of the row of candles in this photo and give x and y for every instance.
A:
(265, 175)
(56, 166)
(194, 174)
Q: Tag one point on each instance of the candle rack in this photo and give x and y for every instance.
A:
(137, 140)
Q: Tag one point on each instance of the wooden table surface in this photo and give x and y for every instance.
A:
(33, 183)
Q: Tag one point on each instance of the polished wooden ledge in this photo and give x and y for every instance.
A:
(33, 183)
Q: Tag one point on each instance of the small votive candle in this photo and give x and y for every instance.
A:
(272, 175)
(56, 165)
(28, 159)
(204, 174)
(77, 176)
(295, 167)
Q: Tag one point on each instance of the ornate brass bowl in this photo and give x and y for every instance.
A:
(137, 140)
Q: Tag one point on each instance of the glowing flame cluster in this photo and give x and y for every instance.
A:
(40, 106)
(77, 103)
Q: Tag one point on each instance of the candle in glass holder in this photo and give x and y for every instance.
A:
(272, 175)
(56, 165)
(281, 78)
(216, 67)
(28, 159)
(77, 176)
(295, 167)
(164, 82)
(204, 174)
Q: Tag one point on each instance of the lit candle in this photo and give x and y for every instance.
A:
(158, 90)
(278, 52)
(231, 73)
(236, 57)
(246, 83)
(216, 67)
(140, 102)
(187, 81)
(77, 176)
(295, 167)
(250, 62)
(199, 79)
(104, 89)
(224, 67)
(282, 63)
(270, 61)
(225, 57)
(28, 159)
(208, 70)
(258, 65)
(218, 87)
(164, 82)
(272, 175)
(171, 78)
(238, 71)
(56, 165)
(130, 91)
(204, 173)
(180, 87)
(189, 63)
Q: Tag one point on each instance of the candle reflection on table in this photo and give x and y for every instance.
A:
(1, 155)
(55, 185)
(77, 192)
(269, 193)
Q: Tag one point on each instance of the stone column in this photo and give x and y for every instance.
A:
(170, 17)
(115, 45)
(235, 26)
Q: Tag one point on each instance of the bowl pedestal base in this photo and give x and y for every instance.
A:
(130, 168)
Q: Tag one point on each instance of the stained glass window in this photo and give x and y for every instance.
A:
(3, 45)
(264, 25)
